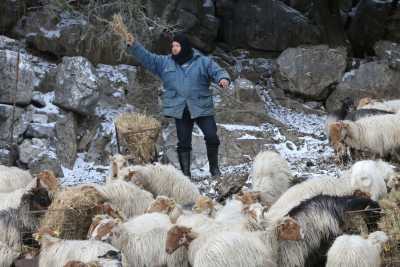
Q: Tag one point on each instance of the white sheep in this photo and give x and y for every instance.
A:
(379, 135)
(126, 197)
(142, 239)
(57, 252)
(388, 105)
(117, 163)
(366, 176)
(12, 178)
(24, 218)
(355, 251)
(165, 180)
(270, 175)
(7, 255)
(233, 249)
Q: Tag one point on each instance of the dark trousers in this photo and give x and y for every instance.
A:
(184, 128)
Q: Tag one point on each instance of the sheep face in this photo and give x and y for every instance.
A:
(364, 101)
(203, 205)
(107, 208)
(177, 237)
(48, 180)
(289, 229)
(137, 178)
(118, 161)
(162, 204)
(102, 228)
(248, 198)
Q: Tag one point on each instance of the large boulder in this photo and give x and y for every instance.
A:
(21, 123)
(310, 71)
(66, 134)
(8, 75)
(265, 25)
(77, 85)
(31, 149)
(390, 52)
(373, 79)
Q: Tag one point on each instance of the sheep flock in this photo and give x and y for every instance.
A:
(152, 215)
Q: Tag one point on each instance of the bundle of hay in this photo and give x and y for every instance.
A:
(119, 27)
(72, 211)
(139, 133)
(390, 224)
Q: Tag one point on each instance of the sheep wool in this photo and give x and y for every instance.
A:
(355, 251)
(270, 175)
(13, 178)
(7, 255)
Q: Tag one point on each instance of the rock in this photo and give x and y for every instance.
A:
(40, 118)
(228, 185)
(100, 149)
(38, 100)
(77, 86)
(310, 71)
(369, 25)
(10, 12)
(264, 25)
(390, 52)
(246, 92)
(40, 130)
(66, 128)
(373, 79)
(30, 149)
(8, 73)
(21, 124)
(4, 156)
(45, 162)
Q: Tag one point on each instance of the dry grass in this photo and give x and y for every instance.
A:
(139, 133)
(72, 211)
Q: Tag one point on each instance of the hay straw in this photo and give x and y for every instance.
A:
(139, 133)
(119, 26)
(72, 211)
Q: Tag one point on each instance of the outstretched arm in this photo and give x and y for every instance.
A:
(218, 74)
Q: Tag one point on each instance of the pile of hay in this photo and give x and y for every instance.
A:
(119, 27)
(390, 224)
(72, 211)
(139, 133)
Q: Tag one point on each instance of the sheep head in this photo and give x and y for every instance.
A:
(162, 204)
(289, 229)
(204, 205)
(108, 209)
(248, 198)
(102, 228)
(37, 197)
(48, 180)
(177, 237)
(46, 236)
(364, 101)
(359, 193)
(137, 178)
(117, 161)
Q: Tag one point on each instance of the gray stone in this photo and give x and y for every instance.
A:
(77, 86)
(45, 162)
(40, 118)
(390, 52)
(30, 149)
(38, 100)
(40, 130)
(22, 119)
(373, 79)
(66, 129)
(310, 71)
(8, 73)
(4, 156)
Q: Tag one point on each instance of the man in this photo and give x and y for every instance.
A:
(186, 75)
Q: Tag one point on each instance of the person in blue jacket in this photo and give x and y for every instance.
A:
(186, 76)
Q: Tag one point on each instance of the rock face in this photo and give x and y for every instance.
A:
(264, 24)
(390, 52)
(310, 71)
(77, 85)
(31, 149)
(22, 120)
(8, 74)
(374, 79)
(66, 140)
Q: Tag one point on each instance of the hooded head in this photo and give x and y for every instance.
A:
(181, 50)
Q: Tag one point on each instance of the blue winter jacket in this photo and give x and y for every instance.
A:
(183, 85)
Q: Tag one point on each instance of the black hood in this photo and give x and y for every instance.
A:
(186, 49)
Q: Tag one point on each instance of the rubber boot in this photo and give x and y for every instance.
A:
(212, 154)
(184, 161)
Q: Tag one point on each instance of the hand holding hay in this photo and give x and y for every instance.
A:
(120, 28)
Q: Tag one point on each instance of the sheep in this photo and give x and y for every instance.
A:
(355, 251)
(379, 135)
(366, 176)
(233, 249)
(142, 239)
(97, 263)
(270, 175)
(340, 114)
(166, 205)
(363, 113)
(24, 218)
(13, 178)
(126, 197)
(320, 219)
(56, 252)
(388, 105)
(166, 180)
(117, 163)
(7, 255)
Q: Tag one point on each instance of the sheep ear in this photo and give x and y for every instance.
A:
(289, 229)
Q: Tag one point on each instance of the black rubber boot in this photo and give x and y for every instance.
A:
(184, 161)
(212, 154)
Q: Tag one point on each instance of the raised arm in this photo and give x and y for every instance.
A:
(153, 62)
(217, 73)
